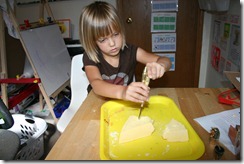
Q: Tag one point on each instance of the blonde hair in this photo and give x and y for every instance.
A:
(97, 20)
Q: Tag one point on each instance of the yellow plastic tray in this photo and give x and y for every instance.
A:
(161, 109)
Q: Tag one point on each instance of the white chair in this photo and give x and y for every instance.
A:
(78, 84)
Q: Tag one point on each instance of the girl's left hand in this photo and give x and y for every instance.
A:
(155, 70)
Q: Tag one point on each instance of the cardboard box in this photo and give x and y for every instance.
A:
(232, 76)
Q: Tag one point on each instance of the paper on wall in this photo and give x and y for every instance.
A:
(11, 29)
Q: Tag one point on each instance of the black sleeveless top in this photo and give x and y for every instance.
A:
(121, 75)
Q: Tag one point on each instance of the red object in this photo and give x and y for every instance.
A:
(21, 80)
(215, 57)
(33, 86)
(27, 23)
(22, 28)
(227, 98)
(13, 101)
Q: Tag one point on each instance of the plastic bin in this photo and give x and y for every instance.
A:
(30, 131)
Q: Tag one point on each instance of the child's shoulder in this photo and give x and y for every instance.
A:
(130, 50)
(130, 46)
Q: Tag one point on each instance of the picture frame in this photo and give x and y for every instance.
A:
(65, 27)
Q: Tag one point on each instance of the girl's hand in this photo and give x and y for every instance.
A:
(155, 70)
(136, 92)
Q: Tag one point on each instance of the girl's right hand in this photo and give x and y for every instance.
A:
(136, 92)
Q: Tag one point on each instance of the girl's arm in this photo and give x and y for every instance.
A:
(156, 65)
(136, 91)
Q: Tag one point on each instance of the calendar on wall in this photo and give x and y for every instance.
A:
(163, 28)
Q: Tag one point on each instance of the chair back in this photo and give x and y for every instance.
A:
(78, 84)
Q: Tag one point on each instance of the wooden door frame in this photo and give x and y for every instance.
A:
(198, 47)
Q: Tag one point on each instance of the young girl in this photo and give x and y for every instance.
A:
(109, 61)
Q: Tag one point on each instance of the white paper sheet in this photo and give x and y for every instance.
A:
(11, 30)
(163, 22)
(164, 5)
(163, 42)
(222, 121)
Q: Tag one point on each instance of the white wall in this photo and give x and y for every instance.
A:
(205, 50)
(69, 9)
(209, 77)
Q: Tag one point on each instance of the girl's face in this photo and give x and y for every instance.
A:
(110, 45)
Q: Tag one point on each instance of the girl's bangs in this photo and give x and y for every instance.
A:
(106, 28)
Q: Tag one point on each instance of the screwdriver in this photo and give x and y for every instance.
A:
(146, 81)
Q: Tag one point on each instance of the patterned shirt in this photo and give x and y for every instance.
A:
(121, 75)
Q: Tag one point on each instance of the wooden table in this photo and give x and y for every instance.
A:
(80, 140)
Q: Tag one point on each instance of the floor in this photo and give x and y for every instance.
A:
(50, 137)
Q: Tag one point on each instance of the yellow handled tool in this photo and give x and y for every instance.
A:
(146, 81)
